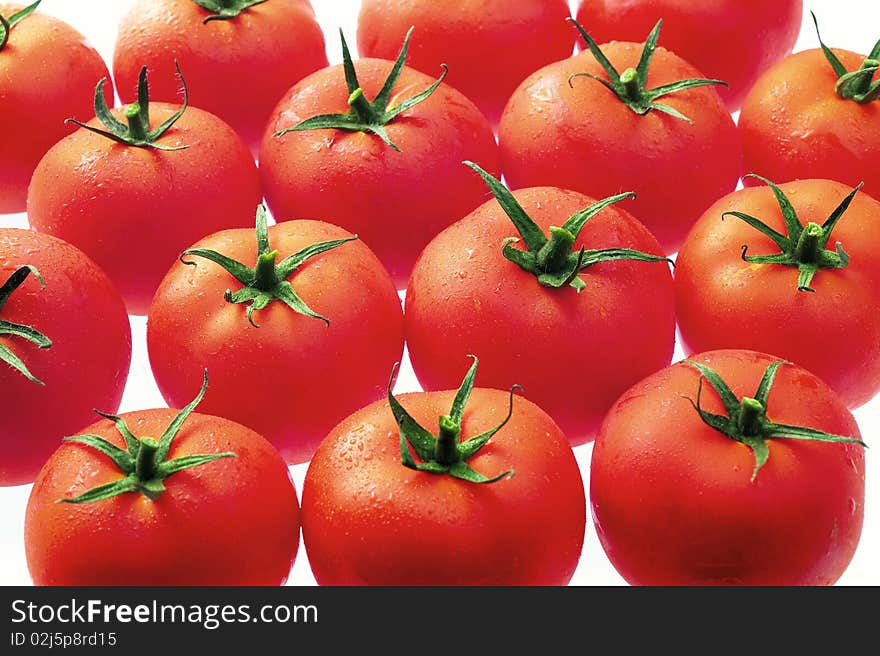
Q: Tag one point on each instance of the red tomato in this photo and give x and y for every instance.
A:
(228, 515)
(48, 72)
(373, 515)
(794, 123)
(564, 347)
(133, 207)
(302, 375)
(237, 68)
(490, 46)
(732, 40)
(81, 314)
(395, 200)
(723, 301)
(577, 134)
(678, 502)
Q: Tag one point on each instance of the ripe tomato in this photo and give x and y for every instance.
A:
(810, 118)
(747, 497)
(302, 374)
(704, 33)
(393, 178)
(48, 72)
(578, 133)
(490, 46)
(77, 359)
(210, 502)
(467, 295)
(373, 515)
(816, 307)
(237, 67)
(133, 199)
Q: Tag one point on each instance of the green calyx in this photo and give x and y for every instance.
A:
(445, 453)
(225, 9)
(746, 419)
(6, 24)
(18, 330)
(267, 281)
(144, 461)
(804, 246)
(858, 85)
(631, 86)
(137, 132)
(368, 116)
(552, 260)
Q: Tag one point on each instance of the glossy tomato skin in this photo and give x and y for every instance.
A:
(573, 353)
(237, 69)
(233, 521)
(724, 302)
(86, 366)
(583, 137)
(795, 126)
(395, 201)
(730, 40)
(368, 520)
(673, 501)
(48, 73)
(293, 378)
(133, 210)
(490, 46)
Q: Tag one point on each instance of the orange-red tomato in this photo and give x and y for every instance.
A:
(677, 502)
(48, 72)
(237, 69)
(577, 134)
(82, 314)
(233, 521)
(395, 201)
(573, 353)
(132, 209)
(723, 301)
(730, 40)
(293, 378)
(795, 126)
(369, 520)
(490, 46)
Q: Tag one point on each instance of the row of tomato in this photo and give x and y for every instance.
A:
(519, 282)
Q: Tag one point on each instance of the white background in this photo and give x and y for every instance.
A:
(850, 24)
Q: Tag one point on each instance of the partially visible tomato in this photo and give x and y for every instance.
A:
(559, 329)
(65, 333)
(291, 351)
(736, 470)
(494, 498)
(816, 114)
(134, 196)
(237, 66)
(732, 40)
(490, 46)
(388, 169)
(647, 123)
(810, 300)
(157, 497)
(48, 73)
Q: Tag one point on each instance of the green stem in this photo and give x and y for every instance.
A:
(136, 127)
(632, 87)
(265, 277)
(554, 255)
(751, 417)
(864, 82)
(145, 464)
(362, 107)
(446, 450)
(809, 244)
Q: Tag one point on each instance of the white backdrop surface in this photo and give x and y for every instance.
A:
(850, 24)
